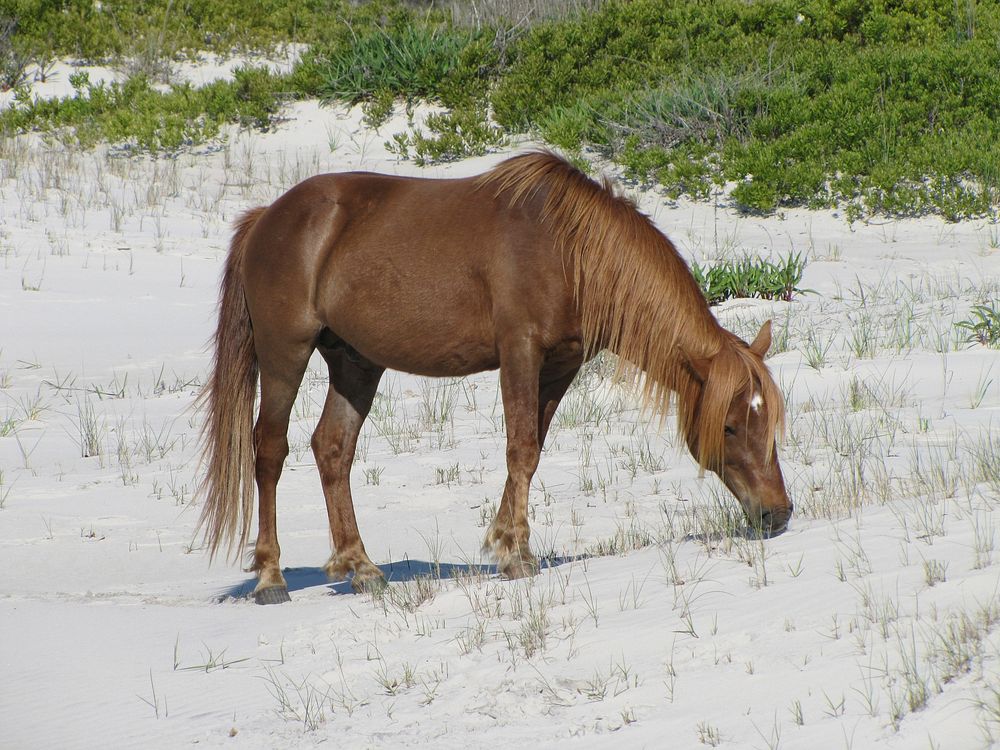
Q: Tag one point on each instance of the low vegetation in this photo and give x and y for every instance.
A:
(886, 108)
(751, 277)
(879, 108)
(134, 112)
(982, 326)
(819, 103)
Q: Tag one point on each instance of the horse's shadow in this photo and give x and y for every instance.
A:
(394, 572)
(749, 532)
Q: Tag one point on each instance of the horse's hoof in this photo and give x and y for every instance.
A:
(519, 567)
(368, 584)
(272, 595)
(363, 574)
(336, 571)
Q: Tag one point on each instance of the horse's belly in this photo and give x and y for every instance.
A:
(450, 362)
(440, 336)
(428, 358)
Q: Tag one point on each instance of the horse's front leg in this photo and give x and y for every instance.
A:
(507, 537)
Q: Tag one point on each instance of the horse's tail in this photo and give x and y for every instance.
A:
(227, 488)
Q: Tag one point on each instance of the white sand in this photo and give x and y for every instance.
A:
(112, 633)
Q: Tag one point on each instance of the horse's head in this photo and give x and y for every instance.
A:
(733, 431)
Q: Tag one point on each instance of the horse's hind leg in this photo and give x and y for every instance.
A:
(281, 372)
(353, 383)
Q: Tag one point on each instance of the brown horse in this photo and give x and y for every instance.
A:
(531, 268)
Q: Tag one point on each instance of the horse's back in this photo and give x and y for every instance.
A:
(416, 274)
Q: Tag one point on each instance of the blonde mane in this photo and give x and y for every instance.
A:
(636, 297)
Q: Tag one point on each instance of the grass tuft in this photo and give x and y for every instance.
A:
(982, 326)
(751, 277)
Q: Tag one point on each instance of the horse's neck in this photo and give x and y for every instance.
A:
(668, 327)
(684, 317)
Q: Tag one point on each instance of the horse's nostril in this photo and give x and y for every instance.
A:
(773, 524)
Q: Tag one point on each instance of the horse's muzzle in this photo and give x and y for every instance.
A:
(775, 523)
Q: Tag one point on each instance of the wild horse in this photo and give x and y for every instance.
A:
(532, 268)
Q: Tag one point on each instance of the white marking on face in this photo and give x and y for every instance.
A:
(756, 402)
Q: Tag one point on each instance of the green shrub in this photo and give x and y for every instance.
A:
(411, 61)
(135, 113)
(105, 30)
(13, 58)
(889, 107)
(451, 135)
(378, 109)
(878, 106)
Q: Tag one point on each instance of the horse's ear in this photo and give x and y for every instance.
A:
(762, 343)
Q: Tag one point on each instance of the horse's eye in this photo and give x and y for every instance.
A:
(730, 430)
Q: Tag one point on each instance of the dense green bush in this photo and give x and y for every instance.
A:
(99, 31)
(889, 106)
